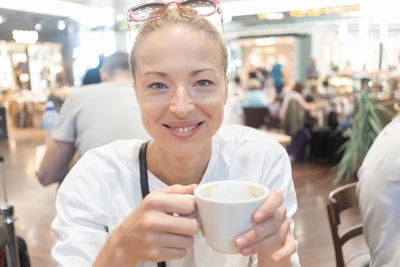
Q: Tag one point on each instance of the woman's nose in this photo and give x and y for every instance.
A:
(181, 104)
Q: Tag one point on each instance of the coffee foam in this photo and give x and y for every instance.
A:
(231, 192)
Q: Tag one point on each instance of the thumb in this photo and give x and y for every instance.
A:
(179, 189)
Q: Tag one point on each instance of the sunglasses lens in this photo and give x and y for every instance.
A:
(147, 12)
(197, 8)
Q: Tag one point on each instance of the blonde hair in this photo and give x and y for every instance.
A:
(173, 17)
(253, 84)
(298, 87)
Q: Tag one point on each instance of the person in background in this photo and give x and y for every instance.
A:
(93, 75)
(328, 91)
(255, 95)
(92, 116)
(312, 95)
(292, 115)
(262, 74)
(278, 79)
(105, 215)
(378, 192)
(312, 71)
(296, 95)
(347, 70)
(364, 83)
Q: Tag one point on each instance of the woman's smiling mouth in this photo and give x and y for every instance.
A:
(183, 130)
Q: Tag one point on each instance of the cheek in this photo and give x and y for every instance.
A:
(215, 106)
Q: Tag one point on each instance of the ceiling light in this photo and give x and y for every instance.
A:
(120, 17)
(38, 27)
(265, 41)
(61, 25)
(271, 16)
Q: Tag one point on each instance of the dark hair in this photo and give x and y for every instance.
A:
(237, 79)
(325, 83)
(118, 60)
(252, 74)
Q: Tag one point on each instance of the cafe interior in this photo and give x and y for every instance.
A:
(340, 51)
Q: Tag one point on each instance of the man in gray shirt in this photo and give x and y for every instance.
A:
(92, 116)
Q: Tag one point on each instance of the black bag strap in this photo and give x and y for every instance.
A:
(144, 180)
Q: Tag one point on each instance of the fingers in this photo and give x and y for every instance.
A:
(275, 240)
(178, 225)
(286, 251)
(271, 229)
(276, 225)
(270, 205)
(171, 203)
(164, 254)
(174, 241)
(179, 189)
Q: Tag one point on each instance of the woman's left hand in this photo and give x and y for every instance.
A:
(271, 236)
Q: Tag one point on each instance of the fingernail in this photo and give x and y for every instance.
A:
(246, 251)
(240, 242)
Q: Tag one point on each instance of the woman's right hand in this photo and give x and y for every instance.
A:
(152, 232)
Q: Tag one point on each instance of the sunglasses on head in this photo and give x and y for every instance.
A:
(188, 8)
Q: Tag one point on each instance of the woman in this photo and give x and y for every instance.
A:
(179, 65)
(255, 95)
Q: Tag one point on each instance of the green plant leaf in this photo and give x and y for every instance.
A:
(366, 126)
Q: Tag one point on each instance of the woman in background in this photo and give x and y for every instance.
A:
(255, 95)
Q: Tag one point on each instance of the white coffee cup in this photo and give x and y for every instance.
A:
(225, 209)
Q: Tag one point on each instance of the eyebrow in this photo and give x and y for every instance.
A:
(163, 74)
(195, 72)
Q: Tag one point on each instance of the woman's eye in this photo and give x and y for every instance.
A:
(157, 86)
(204, 83)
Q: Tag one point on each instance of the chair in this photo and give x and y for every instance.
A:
(255, 117)
(341, 199)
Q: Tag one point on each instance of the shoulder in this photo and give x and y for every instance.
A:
(108, 165)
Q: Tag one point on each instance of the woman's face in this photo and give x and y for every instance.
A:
(181, 88)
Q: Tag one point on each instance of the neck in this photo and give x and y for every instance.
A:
(171, 169)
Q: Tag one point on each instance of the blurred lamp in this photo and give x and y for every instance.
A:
(120, 17)
(61, 25)
(38, 27)
(25, 37)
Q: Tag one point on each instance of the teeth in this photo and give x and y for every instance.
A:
(185, 129)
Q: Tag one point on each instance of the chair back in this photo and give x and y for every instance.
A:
(341, 199)
(255, 117)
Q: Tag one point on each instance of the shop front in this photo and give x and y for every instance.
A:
(35, 51)
(35, 60)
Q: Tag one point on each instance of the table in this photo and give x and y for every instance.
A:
(283, 139)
